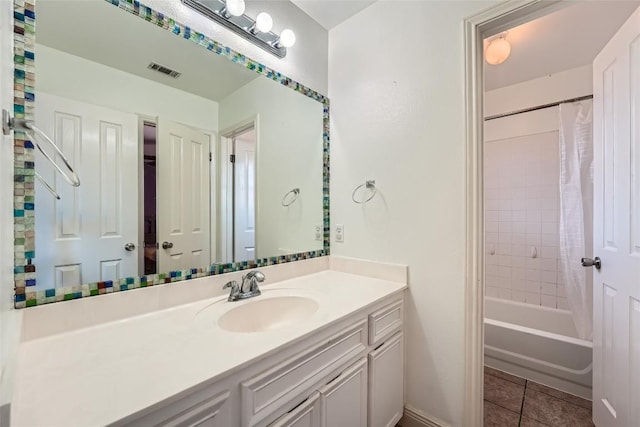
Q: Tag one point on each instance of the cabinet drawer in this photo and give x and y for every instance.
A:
(204, 408)
(385, 322)
(273, 388)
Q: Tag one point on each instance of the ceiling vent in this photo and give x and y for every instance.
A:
(164, 70)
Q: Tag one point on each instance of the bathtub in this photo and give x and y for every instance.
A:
(537, 343)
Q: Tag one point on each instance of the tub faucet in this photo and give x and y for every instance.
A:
(240, 291)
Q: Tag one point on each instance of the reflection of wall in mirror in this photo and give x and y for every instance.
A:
(289, 156)
(88, 82)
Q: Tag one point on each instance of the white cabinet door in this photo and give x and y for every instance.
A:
(307, 414)
(386, 383)
(616, 292)
(183, 197)
(343, 401)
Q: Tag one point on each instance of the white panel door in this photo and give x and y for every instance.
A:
(183, 197)
(244, 196)
(343, 402)
(616, 336)
(81, 238)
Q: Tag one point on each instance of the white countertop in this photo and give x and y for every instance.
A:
(98, 375)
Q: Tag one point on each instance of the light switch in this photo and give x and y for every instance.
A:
(318, 232)
(339, 233)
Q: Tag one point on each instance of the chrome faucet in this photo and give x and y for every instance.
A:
(240, 291)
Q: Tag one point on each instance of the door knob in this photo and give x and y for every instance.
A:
(588, 262)
(129, 247)
(167, 245)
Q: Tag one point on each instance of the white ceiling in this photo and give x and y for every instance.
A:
(330, 13)
(568, 38)
(71, 26)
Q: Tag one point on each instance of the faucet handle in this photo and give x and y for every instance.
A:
(235, 289)
(254, 275)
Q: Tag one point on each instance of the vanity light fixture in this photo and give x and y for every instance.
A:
(230, 14)
(498, 50)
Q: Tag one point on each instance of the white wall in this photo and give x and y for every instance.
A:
(70, 76)
(289, 154)
(306, 61)
(396, 81)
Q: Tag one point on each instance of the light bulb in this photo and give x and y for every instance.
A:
(264, 22)
(287, 38)
(498, 51)
(235, 7)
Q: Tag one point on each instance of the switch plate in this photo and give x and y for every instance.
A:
(318, 232)
(339, 233)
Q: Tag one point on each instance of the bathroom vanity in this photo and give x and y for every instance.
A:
(320, 349)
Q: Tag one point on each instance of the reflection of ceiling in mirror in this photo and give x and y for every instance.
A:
(71, 26)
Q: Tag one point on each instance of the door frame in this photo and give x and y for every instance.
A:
(225, 212)
(477, 27)
(142, 119)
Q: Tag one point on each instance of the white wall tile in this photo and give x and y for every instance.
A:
(549, 252)
(518, 261)
(519, 227)
(533, 263)
(548, 264)
(519, 250)
(494, 216)
(562, 304)
(548, 301)
(519, 238)
(504, 260)
(517, 296)
(549, 215)
(549, 228)
(531, 298)
(533, 274)
(548, 276)
(504, 293)
(548, 289)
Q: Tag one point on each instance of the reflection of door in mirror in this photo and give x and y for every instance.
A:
(244, 196)
(102, 144)
(183, 197)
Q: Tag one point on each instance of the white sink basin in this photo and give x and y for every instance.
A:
(266, 314)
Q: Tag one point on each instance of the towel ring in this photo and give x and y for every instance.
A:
(295, 193)
(71, 178)
(371, 185)
(47, 186)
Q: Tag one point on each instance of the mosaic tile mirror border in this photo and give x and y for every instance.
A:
(24, 191)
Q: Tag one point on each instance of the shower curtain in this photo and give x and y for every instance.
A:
(576, 211)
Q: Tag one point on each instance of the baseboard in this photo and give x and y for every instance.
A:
(415, 418)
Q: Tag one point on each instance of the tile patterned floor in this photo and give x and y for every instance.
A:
(511, 401)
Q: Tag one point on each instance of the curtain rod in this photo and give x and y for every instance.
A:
(539, 107)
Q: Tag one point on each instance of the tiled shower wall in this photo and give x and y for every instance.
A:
(521, 219)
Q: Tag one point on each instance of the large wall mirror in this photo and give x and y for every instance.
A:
(193, 160)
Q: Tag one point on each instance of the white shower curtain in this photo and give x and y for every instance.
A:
(576, 211)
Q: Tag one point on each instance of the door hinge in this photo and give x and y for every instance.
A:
(210, 157)
(232, 158)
